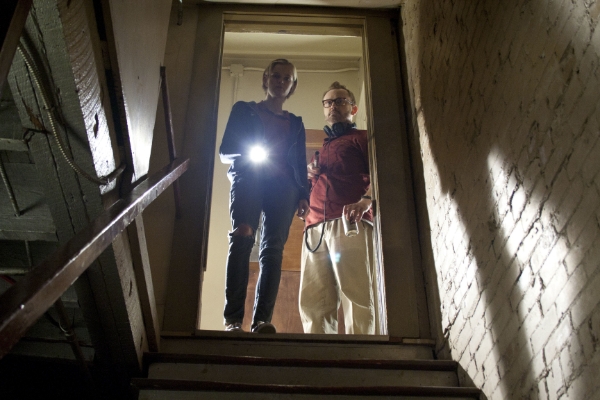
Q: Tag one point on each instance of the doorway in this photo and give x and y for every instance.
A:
(401, 291)
(320, 60)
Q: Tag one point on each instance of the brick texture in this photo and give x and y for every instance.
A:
(505, 116)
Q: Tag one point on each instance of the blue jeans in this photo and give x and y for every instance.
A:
(277, 198)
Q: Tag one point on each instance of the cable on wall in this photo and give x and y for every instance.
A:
(50, 109)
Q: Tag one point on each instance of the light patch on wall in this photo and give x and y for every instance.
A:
(537, 255)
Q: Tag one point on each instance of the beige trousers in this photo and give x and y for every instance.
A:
(341, 270)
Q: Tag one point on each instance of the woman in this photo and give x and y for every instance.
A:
(275, 185)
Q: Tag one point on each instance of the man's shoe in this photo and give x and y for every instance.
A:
(234, 327)
(264, 327)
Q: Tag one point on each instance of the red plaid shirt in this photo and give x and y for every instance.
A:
(343, 179)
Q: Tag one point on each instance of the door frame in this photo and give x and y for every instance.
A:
(402, 309)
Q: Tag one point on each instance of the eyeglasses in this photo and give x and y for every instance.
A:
(340, 101)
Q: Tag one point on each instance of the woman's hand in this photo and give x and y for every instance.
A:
(303, 209)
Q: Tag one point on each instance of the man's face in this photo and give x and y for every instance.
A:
(335, 113)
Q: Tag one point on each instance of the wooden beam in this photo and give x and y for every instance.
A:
(23, 303)
(63, 41)
(13, 145)
(13, 14)
(143, 277)
(34, 220)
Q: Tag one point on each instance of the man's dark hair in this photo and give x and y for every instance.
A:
(336, 85)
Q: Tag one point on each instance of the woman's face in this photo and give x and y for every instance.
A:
(280, 82)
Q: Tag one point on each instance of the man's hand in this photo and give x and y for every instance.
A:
(354, 212)
(313, 171)
(303, 209)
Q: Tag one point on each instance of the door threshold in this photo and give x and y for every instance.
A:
(300, 337)
(296, 337)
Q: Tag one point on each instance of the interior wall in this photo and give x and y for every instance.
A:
(305, 102)
(506, 127)
(145, 25)
(159, 217)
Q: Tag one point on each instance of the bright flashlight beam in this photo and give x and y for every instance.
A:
(258, 154)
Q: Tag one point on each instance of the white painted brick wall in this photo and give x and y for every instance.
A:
(506, 120)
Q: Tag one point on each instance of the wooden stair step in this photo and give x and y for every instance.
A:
(151, 389)
(219, 365)
(296, 347)
(416, 365)
(258, 370)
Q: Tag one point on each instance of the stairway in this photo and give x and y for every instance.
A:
(248, 366)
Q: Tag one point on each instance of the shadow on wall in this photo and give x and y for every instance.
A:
(505, 99)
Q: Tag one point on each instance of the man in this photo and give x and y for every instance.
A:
(337, 268)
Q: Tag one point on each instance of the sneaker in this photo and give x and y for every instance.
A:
(234, 327)
(264, 327)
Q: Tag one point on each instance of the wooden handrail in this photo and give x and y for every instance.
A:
(24, 302)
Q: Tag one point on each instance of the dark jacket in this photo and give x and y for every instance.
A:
(245, 129)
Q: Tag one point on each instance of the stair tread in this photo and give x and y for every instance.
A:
(188, 385)
(290, 375)
(423, 365)
(260, 345)
(379, 340)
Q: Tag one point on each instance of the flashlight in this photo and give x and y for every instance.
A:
(258, 154)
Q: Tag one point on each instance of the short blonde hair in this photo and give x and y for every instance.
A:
(272, 64)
